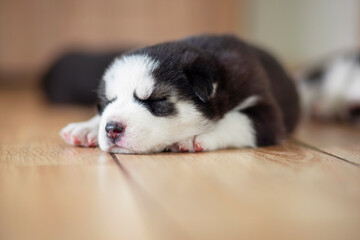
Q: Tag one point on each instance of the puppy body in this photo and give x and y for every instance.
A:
(197, 94)
(330, 90)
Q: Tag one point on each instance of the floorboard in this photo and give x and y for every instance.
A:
(338, 139)
(307, 188)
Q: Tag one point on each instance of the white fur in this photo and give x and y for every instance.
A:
(215, 85)
(352, 92)
(248, 102)
(235, 130)
(334, 87)
(129, 75)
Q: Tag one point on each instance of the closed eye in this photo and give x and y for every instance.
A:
(160, 107)
(156, 99)
(107, 102)
(150, 99)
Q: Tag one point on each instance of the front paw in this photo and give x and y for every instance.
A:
(188, 145)
(80, 134)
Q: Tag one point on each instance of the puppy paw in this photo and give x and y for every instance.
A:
(80, 134)
(188, 145)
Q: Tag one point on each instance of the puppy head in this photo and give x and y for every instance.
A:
(150, 100)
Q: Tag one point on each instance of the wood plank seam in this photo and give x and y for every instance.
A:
(158, 209)
(122, 168)
(311, 147)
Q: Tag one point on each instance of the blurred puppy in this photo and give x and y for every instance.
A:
(331, 90)
(197, 94)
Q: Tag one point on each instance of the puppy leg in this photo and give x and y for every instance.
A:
(259, 125)
(82, 133)
(268, 123)
(235, 130)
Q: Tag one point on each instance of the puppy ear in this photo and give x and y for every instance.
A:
(201, 75)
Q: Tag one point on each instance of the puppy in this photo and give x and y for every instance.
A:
(330, 90)
(197, 94)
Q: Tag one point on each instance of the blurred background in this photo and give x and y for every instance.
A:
(34, 32)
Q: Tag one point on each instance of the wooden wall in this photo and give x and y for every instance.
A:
(33, 31)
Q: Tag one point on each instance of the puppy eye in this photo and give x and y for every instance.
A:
(163, 99)
(150, 99)
(107, 101)
(159, 107)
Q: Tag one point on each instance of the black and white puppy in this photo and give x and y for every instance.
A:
(201, 93)
(330, 89)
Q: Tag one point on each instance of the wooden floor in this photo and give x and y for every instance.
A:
(308, 188)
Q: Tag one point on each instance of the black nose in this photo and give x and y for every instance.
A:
(114, 130)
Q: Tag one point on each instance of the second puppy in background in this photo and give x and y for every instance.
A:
(330, 90)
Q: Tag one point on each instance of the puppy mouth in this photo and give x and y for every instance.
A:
(118, 149)
(116, 146)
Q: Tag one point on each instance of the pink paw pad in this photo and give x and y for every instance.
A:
(66, 136)
(198, 147)
(76, 141)
(91, 143)
(182, 149)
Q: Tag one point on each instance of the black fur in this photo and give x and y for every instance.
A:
(102, 100)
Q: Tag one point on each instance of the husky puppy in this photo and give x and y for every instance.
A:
(330, 89)
(197, 94)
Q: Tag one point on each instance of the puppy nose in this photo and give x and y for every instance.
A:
(114, 130)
